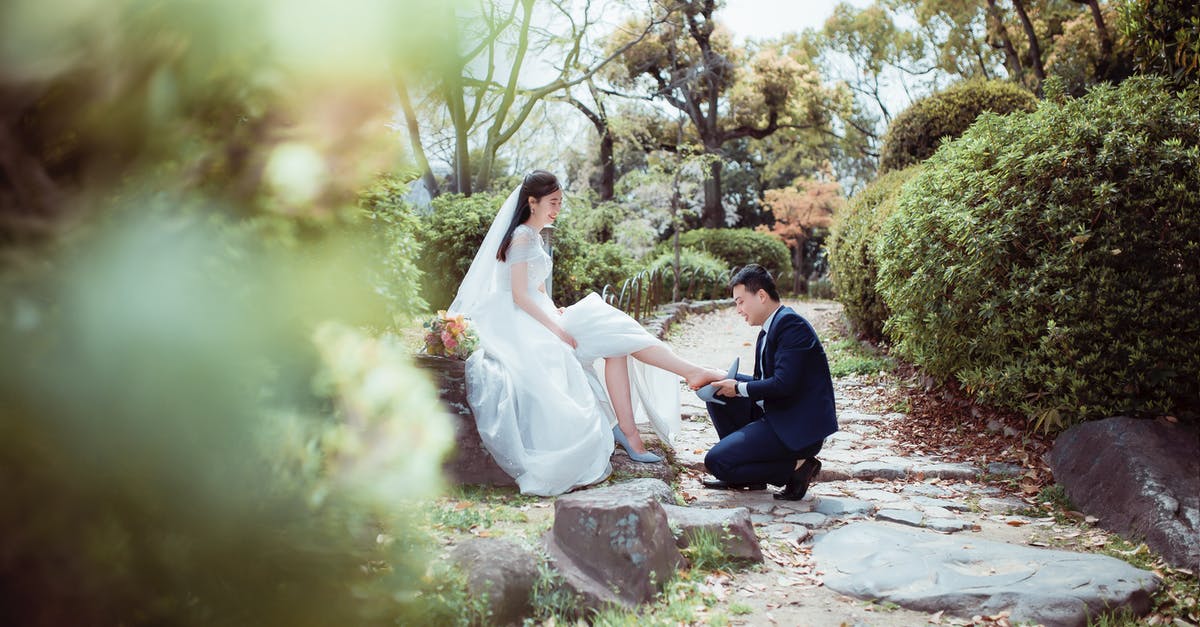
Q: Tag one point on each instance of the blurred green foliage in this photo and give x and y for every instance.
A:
(853, 265)
(176, 448)
(195, 431)
(918, 130)
(1047, 261)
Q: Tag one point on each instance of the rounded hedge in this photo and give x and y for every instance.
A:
(738, 247)
(1048, 261)
(853, 266)
(917, 132)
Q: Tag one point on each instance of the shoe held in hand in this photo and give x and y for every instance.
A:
(708, 393)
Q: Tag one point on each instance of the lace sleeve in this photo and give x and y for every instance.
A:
(526, 246)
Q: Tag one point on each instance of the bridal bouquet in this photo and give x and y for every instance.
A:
(449, 336)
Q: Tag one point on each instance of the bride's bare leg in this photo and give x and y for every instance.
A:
(616, 379)
(662, 357)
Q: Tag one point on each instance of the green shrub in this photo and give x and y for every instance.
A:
(853, 266)
(738, 247)
(396, 277)
(178, 451)
(917, 132)
(1047, 261)
(705, 274)
(452, 235)
(1164, 37)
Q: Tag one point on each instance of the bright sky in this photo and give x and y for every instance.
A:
(761, 19)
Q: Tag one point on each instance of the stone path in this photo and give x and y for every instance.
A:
(866, 477)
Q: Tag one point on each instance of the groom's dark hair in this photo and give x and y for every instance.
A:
(755, 277)
(538, 183)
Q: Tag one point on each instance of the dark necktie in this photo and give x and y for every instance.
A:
(758, 347)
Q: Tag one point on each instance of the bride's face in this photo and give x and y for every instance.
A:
(545, 209)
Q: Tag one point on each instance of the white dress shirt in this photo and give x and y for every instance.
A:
(766, 328)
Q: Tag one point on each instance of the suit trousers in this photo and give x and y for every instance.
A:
(749, 450)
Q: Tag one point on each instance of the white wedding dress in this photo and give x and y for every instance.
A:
(542, 408)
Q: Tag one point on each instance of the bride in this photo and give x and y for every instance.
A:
(543, 409)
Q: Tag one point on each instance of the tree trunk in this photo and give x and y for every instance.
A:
(1104, 67)
(414, 136)
(1035, 51)
(462, 162)
(799, 277)
(608, 167)
(462, 154)
(713, 216)
(484, 168)
(1012, 61)
(1106, 43)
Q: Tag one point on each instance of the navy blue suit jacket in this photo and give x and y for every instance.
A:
(793, 382)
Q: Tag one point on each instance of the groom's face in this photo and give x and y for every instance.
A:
(753, 307)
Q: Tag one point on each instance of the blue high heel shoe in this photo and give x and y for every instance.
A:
(645, 458)
(708, 393)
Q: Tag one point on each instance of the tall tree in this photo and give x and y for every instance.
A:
(726, 92)
(873, 44)
(479, 87)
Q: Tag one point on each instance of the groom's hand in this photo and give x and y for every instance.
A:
(726, 387)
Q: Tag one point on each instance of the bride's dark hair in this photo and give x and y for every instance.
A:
(537, 184)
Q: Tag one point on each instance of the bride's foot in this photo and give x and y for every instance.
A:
(644, 456)
(703, 376)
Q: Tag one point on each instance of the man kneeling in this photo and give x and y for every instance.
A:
(772, 425)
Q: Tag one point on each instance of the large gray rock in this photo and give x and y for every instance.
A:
(1141, 478)
(930, 572)
(732, 526)
(503, 571)
(469, 462)
(613, 546)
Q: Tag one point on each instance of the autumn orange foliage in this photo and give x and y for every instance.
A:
(799, 209)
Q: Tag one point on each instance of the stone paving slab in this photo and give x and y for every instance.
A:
(931, 572)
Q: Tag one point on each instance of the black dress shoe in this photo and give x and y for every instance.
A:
(719, 484)
(797, 486)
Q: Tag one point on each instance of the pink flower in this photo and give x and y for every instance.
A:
(451, 344)
(447, 338)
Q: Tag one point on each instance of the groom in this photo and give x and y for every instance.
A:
(772, 425)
